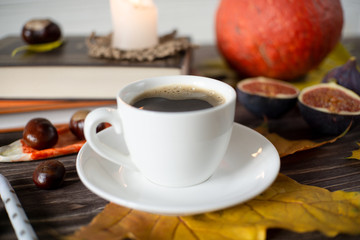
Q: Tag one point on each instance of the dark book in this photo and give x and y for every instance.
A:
(68, 72)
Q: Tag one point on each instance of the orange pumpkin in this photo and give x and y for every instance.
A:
(280, 39)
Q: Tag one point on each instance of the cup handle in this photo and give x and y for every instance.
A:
(92, 120)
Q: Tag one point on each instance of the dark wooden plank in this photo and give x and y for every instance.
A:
(60, 212)
(53, 213)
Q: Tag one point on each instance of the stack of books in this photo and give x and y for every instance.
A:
(53, 84)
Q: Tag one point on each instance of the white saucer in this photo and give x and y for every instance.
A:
(250, 166)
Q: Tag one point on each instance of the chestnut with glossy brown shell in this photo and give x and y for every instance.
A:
(40, 133)
(38, 31)
(49, 174)
(76, 124)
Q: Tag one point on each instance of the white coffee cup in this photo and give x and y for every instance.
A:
(173, 149)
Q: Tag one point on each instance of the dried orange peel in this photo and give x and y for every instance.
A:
(18, 151)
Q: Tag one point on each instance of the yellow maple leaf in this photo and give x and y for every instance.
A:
(286, 204)
(219, 69)
(337, 57)
(286, 147)
(356, 153)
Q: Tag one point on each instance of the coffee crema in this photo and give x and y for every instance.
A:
(177, 98)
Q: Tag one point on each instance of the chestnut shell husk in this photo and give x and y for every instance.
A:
(346, 75)
(266, 106)
(324, 121)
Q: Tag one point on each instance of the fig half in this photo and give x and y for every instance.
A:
(346, 75)
(329, 108)
(266, 97)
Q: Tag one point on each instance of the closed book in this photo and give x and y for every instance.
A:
(68, 72)
(15, 113)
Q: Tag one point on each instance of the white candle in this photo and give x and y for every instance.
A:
(134, 24)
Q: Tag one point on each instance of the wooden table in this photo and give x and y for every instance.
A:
(60, 212)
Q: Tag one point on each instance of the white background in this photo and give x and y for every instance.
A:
(194, 18)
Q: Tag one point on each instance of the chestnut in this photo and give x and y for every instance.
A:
(76, 124)
(39, 133)
(102, 126)
(38, 31)
(49, 174)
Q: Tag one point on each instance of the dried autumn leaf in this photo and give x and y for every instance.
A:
(355, 154)
(337, 57)
(217, 68)
(42, 47)
(286, 147)
(286, 204)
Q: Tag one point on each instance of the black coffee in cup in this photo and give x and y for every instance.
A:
(177, 98)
